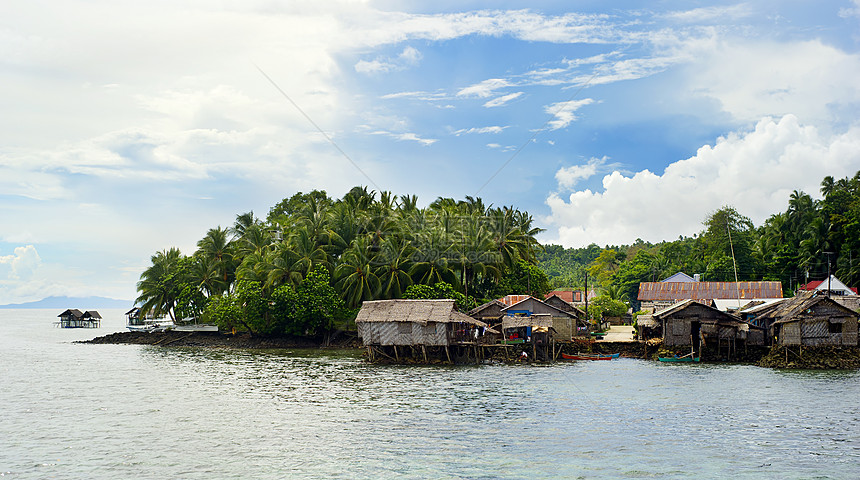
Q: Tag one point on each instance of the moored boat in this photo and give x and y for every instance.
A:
(589, 356)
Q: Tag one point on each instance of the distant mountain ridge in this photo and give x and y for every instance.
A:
(82, 303)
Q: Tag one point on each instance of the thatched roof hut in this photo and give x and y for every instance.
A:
(687, 323)
(812, 318)
(414, 322)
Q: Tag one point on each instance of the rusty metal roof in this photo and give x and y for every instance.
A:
(677, 291)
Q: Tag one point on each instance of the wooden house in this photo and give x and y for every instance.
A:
(415, 322)
(693, 324)
(74, 318)
(812, 319)
(564, 319)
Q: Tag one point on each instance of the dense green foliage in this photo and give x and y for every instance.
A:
(792, 247)
(314, 260)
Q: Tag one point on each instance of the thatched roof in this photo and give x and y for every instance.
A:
(790, 308)
(524, 301)
(719, 314)
(74, 312)
(538, 320)
(413, 311)
(92, 314)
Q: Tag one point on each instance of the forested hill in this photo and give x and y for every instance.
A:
(791, 247)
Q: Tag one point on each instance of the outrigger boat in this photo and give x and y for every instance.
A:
(590, 356)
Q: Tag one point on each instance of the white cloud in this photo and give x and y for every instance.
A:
(755, 172)
(563, 113)
(468, 131)
(409, 57)
(707, 14)
(504, 99)
(406, 136)
(568, 177)
(21, 264)
(750, 80)
(484, 89)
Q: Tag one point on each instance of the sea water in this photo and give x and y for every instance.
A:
(73, 411)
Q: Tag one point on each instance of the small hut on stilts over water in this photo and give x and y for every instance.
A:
(420, 331)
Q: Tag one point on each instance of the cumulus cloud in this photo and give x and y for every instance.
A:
(501, 101)
(568, 177)
(564, 112)
(753, 171)
(808, 79)
(20, 264)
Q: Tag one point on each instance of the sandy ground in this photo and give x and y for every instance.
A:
(619, 333)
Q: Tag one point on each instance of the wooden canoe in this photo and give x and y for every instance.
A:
(589, 356)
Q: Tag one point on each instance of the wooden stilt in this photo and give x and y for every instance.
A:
(396, 355)
(424, 352)
(448, 354)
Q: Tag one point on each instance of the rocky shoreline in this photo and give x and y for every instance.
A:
(221, 340)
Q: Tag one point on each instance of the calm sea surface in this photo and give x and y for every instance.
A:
(128, 411)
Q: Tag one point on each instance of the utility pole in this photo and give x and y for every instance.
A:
(828, 272)
(587, 322)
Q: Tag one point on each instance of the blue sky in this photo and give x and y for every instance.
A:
(130, 128)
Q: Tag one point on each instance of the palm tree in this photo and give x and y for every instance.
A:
(394, 261)
(218, 249)
(355, 275)
(158, 285)
(282, 267)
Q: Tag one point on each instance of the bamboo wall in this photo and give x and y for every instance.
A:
(403, 333)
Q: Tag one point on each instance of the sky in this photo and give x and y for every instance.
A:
(131, 127)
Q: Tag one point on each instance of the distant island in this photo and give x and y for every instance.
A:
(88, 303)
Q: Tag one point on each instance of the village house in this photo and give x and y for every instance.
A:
(654, 296)
(841, 293)
(811, 318)
(694, 325)
(415, 324)
(565, 319)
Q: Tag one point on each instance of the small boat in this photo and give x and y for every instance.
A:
(196, 327)
(685, 358)
(590, 356)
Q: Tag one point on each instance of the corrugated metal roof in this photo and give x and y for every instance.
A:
(708, 290)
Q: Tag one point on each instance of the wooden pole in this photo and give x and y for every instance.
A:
(396, 356)
(448, 354)
(424, 352)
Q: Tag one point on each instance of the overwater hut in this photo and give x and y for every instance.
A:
(564, 322)
(490, 313)
(580, 326)
(74, 318)
(693, 324)
(534, 332)
(811, 318)
(417, 325)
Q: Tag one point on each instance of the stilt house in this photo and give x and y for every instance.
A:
(812, 318)
(416, 323)
(693, 324)
(74, 318)
(563, 322)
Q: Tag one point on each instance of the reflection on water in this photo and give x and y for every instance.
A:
(120, 411)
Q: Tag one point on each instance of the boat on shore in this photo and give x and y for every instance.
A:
(590, 356)
(135, 322)
(195, 327)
